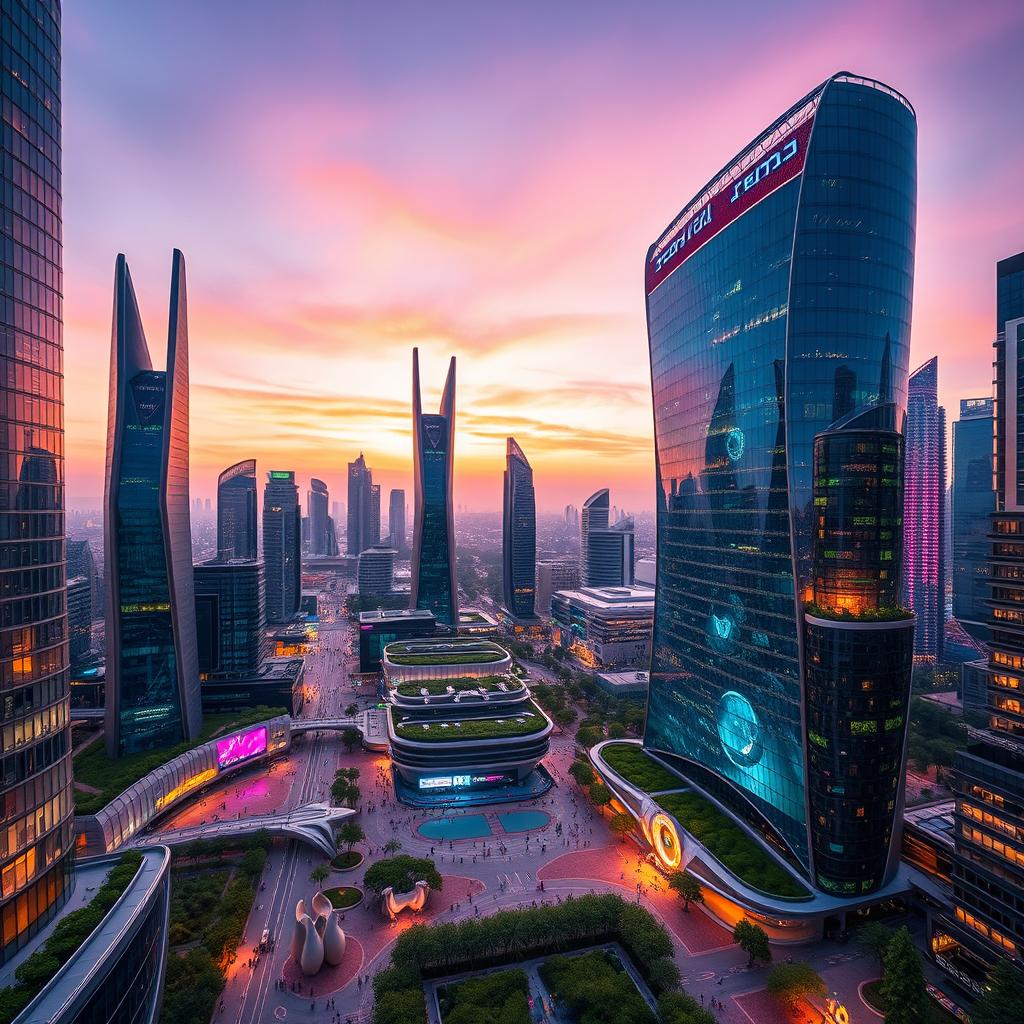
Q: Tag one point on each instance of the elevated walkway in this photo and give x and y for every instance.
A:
(313, 824)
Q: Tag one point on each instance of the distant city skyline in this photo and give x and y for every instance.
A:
(521, 202)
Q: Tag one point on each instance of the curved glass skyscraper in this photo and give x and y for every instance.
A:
(778, 302)
(35, 787)
(434, 586)
(236, 511)
(519, 534)
(152, 687)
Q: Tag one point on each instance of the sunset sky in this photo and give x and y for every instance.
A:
(347, 180)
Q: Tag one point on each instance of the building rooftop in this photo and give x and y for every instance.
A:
(619, 598)
(624, 683)
(936, 820)
(384, 615)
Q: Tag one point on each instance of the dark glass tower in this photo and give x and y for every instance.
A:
(360, 513)
(236, 511)
(319, 520)
(152, 687)
(396, 520)
(519, 534)
(434, 585)
(35, 787)
(924, 574)
(973, 501)
(778, 302)
(593, 516)
(282, 545)
(859, 655)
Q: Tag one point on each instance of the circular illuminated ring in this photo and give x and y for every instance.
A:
(842, 1015)
(666, 842)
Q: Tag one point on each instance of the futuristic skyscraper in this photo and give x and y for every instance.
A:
(778, 304)
(593, 516)
(434, 586)
(519, 534)
(153, 697)
(236, 511)
(321, 527)
(360, 533)
(282, 545)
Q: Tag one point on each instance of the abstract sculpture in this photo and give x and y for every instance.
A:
(318, 939)
(393, 904)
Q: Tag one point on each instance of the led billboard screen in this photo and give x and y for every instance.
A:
(241, 746)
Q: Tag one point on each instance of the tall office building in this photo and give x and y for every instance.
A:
(231, 618)
(988, 776)
(79, 617)
(236, 511)
(554, 574)
(519, 534)
(973, 502)
(360, 507)
(282, 545)
(396, 520)
(593, 516)
(376, 571)
(319, 521)
(35, 789)
(611, 554)
(373, 523)
(434, 585)
(82, 563)
(924, 531)
(152, 675)
(778, 305)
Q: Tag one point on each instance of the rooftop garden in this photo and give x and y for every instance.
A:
(443, 646)
(638, 768)
(66, 939)
(469, 617)
(460, 684)
(886, 613)
(466, 658)
(456, 731)
(112, 776)
(728, 843)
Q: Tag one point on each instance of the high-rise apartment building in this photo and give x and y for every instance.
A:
(35, 788)
(152, 675)
(396, 520)
(236, 511)
(973, 502)
(320, 526)
(778, 307)
(519, 534)
(376, 571)
(924, 495)
(282, 545)
(593, 516)
(434, 585)
(611, 555)
(554, 574)
(360, 508)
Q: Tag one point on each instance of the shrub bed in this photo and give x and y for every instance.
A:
(637, 767)
(66, 938)
(348, 860)
(469, 658)
(437, 687)
(344, 897)
(401, 873)
(499, 997)
(726, 841)
(425, 951)
(470, 728)
(594, 985)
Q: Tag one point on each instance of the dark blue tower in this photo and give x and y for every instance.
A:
(519, 534)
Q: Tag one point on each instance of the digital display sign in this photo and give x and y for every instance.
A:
(241, 746)
(779, 165)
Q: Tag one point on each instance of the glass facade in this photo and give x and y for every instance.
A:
(231, 618)
(924, 571)
(973, 501)
(360, 485)
(396, 520)
(593, 516)
(316, 508)
(152, 670)
(434, 585)
(519, 534)
(236, 511)
(282, 545)
(778, 302)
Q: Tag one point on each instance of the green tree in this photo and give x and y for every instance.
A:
(351, 833)
(401, 873)
(686, 887)
(622, 824)
(563, 717)
(875, 938)
(351, 738)
(392, 846)
(903, 993)
(616, 731)
(589, 735)
(1003, 998)
(753, 940)
(582, 773)
(319, 873)
(351, 710)
(792, 983)
(601, 795)
(679, 1008)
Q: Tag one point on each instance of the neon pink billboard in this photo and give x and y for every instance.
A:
(241, 746)
(782, 163)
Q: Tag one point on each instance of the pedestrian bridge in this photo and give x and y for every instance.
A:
(313, 824)
(372, 725)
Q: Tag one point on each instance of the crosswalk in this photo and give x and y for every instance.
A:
(518, 881)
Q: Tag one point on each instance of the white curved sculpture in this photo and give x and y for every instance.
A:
(317, 939)
(393, 904)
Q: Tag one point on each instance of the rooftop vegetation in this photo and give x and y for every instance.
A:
(482, 657)
(638, 768)
(439, 687)
(66, 939)
(112, 776)
(502, 996)
(728, 843)
(459, 730)
(886, 613)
